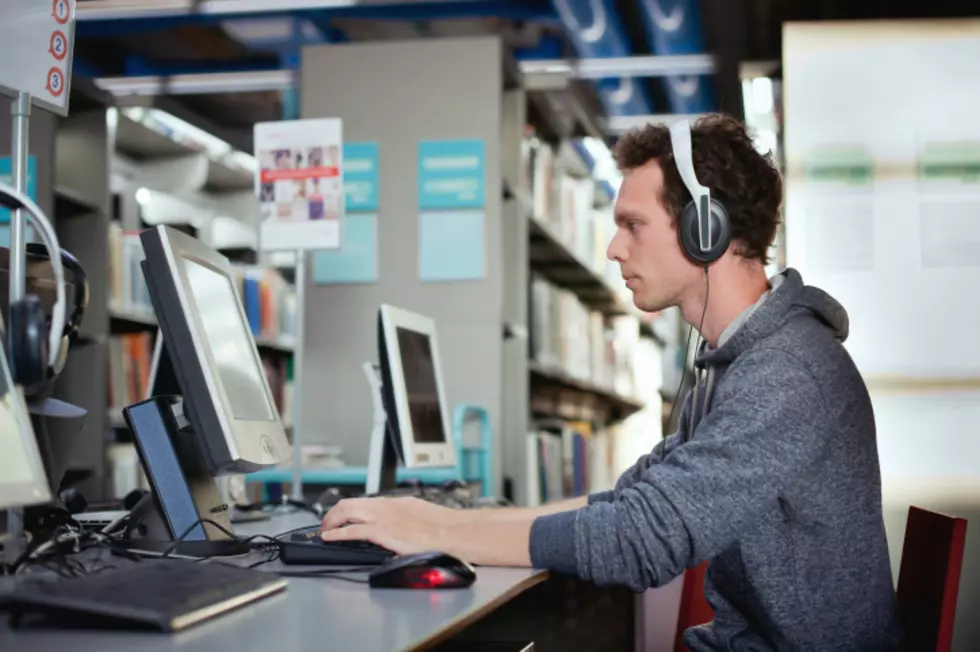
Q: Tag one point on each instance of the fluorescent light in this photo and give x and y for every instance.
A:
(635, 66)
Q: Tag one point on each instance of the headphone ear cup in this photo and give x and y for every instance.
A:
(27, 340)
(690, 233)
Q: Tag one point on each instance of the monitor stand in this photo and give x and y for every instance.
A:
(383, 458)
(182, 493)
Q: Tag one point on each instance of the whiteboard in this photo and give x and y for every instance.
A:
(900, 247)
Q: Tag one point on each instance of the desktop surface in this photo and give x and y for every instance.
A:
(311, 614)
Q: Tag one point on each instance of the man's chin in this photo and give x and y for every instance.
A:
(646, 304)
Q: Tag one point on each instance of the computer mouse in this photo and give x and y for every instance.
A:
(423, 570)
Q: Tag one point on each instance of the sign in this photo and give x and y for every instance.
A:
(452, 246)
(36, 44)
(299, 184)
(451, 174)
(6, 175)
(361, 177)
(356, 261)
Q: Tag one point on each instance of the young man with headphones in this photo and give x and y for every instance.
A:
(772, 476)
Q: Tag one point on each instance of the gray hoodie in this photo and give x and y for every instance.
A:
(772, 475)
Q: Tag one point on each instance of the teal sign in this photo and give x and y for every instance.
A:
(6, 172)
(451, 174)
(356, 260)
(361, 177)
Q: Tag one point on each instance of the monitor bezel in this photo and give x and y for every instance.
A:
(232, 446)
(415, 454)
(37, 489)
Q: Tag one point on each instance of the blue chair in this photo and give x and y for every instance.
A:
(473, 463)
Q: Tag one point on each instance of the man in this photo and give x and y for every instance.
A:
(773, 472)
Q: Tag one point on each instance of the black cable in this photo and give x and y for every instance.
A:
(231, 535)
(329, 573)
(687, 349)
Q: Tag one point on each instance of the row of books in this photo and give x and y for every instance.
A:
(585, 344)
(568, 459)
(130, 357)
(269, 301)
(565, 203)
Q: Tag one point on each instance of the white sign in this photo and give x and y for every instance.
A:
(300, 184)
(36, 43)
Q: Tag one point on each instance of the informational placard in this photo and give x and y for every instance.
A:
(451, 174)
(36, 44)
(361, 177)
(300, 184)
(883, 197)
(452, 246)
(356, 261)
(5, 176)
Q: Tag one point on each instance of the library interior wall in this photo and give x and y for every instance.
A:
(926, 430)
(397, 106)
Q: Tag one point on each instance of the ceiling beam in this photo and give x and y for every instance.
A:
(727, 35)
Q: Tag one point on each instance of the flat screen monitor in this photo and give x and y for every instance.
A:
(413, 388)
(213, 353)
(23, 481)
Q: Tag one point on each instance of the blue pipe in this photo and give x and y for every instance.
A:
(528, 10)
(595, 30)
(674, 27)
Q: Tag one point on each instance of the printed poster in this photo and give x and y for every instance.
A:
(451, 174)
(300, 184)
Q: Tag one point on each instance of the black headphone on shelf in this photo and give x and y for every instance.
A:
(704, 227)
(37, 347)
(80, 298)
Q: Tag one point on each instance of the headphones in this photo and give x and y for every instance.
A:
(704, 227)
(37, 349)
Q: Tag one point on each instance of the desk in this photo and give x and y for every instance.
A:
(322, 614)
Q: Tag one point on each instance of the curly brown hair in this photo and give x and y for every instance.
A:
(726, 161)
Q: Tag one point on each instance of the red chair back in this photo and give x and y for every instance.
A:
(929, 578)
(694, 609)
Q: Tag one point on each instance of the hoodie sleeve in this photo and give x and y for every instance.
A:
(694, 503)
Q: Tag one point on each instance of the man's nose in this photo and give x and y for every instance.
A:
(616, 250)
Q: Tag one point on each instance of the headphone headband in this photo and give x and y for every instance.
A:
(680, 141)
(13, 199)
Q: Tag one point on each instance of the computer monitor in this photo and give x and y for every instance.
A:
(413, 390)
(23, 481)
(206, 335)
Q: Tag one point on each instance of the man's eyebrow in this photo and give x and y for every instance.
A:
(625, 215)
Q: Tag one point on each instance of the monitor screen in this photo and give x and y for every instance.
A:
(422, 391)
(229, 340)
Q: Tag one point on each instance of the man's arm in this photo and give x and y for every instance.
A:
(754, 443)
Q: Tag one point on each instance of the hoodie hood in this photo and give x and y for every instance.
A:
(789, 299)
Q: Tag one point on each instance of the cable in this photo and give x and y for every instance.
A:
(330, 573)
(687, 349)
(206, 521)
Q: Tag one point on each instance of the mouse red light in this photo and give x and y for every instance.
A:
(433, 578)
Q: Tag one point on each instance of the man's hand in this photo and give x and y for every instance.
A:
(402, 525)
(490, 537)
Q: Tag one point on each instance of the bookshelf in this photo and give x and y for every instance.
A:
(581, 363)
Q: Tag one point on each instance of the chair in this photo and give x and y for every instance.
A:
(929, 578)
(694, 608)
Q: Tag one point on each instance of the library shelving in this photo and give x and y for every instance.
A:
(581, 362)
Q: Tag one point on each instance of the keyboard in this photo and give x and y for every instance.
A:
(304, 546)
(166, 594)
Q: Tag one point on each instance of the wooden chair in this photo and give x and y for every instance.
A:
(929, 578)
